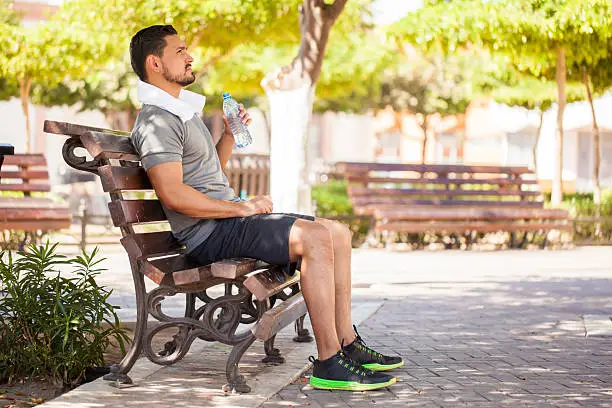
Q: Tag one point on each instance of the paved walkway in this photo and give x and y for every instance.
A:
(511, 328)
(501, 329)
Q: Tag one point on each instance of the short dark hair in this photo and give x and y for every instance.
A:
(150, 40)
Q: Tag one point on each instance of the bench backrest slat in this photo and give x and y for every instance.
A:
(148, 244)
(127, 212)
(25, 174)
(109, 146)
(437, 192)
(19, 179)
(25, 160)
(26, 187)
(72, 129)
(364, 201)
(115, 178)
(354, 167)
(351, 178)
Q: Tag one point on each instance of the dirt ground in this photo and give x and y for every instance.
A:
(33, 392)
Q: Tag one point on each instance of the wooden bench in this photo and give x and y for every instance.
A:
(25, 174)
(259, 299)
(450, 199)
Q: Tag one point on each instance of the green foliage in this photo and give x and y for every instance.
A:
(581, 205)
(332, 199)
(527, 32)
(234, 43)
(49, 52)
(53, 324)
(8, 86)
(8, 15)
(110, 89)
(431, 84)
(531, 93)
(212, 31)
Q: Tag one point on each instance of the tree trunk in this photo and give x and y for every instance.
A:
(290, 90)
(557, 188)
(424, 147)
(534, 149)
(24, 93)
(121, 119)
(597, 187)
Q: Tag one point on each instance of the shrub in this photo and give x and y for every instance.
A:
(53, 323)
(581, 205)
(332, 199)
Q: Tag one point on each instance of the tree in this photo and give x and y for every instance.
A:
(110, 90)
(427, 85)
(8, 16)
(212, 31)
(291, 88)
(45, 54)
(597, 80)
(541, 35)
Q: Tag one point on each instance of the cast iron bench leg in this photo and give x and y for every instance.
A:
(235, 381)
(273, 355)
(303, 335)
(118, 372)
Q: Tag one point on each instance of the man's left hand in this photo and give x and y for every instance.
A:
(244, 115)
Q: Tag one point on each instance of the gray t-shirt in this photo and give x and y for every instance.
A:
(160, 137)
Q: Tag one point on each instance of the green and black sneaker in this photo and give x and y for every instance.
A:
(368, 358)
(339, 372)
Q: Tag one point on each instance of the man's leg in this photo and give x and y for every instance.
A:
(313, 243)
(334, 369)
(357, 350)
(341, 241)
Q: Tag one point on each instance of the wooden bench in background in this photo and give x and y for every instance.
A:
(25, 174)
(259, 299)
(450, 199)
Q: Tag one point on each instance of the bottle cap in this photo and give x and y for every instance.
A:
(226, 95)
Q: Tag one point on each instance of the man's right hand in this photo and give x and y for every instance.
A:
(258, 205)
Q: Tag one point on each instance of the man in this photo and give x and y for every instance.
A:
(185, 168)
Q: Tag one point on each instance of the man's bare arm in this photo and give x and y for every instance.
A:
(167, 180)
(224, 147)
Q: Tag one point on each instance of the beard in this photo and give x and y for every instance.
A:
(184, 79)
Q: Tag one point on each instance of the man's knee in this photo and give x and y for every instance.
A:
(341, 234)
(308, 237)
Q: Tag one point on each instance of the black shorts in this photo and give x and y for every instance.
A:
(262, 236)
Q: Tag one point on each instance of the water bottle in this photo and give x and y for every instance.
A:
(239, 130)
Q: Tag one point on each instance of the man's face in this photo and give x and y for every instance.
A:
(176, 62)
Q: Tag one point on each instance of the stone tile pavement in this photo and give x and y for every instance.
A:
(509, 328)
(537, 336)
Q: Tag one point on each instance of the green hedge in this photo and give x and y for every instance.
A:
(581, 205)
